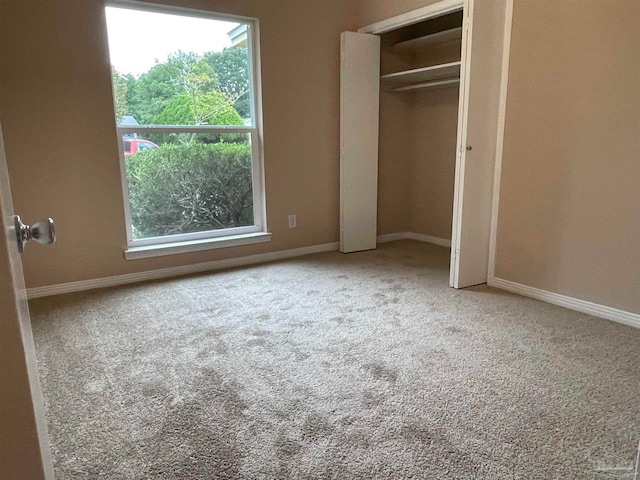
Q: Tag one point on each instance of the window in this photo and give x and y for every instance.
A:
(144, 145)
(187, 113)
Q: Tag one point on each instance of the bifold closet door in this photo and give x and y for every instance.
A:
(477, 141)
(359, 107)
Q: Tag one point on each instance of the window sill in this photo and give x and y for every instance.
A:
(147, 251)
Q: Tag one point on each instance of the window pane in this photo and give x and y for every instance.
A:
(178, 70)
(186, 183)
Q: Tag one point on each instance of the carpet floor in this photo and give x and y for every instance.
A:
(331, 366)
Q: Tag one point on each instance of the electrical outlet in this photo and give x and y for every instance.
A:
(293, 222)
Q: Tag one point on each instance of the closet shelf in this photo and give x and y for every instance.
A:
(407, 78)
(446, 36)
(434, 84)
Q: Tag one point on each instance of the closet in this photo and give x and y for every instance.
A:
(418, 88)
(430, 51)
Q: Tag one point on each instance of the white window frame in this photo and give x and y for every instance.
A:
(187, 242)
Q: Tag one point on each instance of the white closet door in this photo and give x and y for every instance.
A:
(359, 107)
(477, 139)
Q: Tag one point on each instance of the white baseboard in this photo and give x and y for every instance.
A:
(176, 271)
(391, 237)
(597, 310)
(116, 280)
(584, 306)
(443, 242)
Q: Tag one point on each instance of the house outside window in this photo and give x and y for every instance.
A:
(186, 99)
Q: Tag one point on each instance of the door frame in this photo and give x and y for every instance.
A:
(436, 10)
(502, 114)
(461, 155)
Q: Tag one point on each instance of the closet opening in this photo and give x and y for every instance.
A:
(419, 99)
(419, 130)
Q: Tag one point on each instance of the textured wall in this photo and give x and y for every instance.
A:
(434, 120)
(433, 161)
(371, 11)
(570, 203)
(57, 115)
(395, 151)
(569, 219)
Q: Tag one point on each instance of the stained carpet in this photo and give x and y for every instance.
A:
(359, 366)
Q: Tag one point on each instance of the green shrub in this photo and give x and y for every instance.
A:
(190, 188)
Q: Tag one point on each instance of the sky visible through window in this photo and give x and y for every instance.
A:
(139, 39)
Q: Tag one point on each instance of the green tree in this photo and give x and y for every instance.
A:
(211, 108)
(151, 93)
(231, 66)
(208, 109)
(185, 90)
(154, 90)
(183, 73)
(192, 73)
(131, 82)
(198, 103)
(120, 89)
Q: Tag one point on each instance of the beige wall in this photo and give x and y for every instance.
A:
(57, 115)
(394, 162)
(569, 219)
(434, 119)
(372, 11)
(394, 153)
(435, 124)
(569, 214)
(416, 161)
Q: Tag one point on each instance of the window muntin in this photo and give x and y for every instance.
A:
(200, 110)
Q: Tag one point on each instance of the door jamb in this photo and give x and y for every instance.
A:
(461, 157)
(502, 112)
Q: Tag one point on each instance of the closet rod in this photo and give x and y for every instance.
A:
(437, 83)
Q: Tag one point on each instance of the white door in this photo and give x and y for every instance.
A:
(359, 107)
(480, 83)
(24, 445)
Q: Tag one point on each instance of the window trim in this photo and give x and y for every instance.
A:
(158, 250)
(219, 238)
